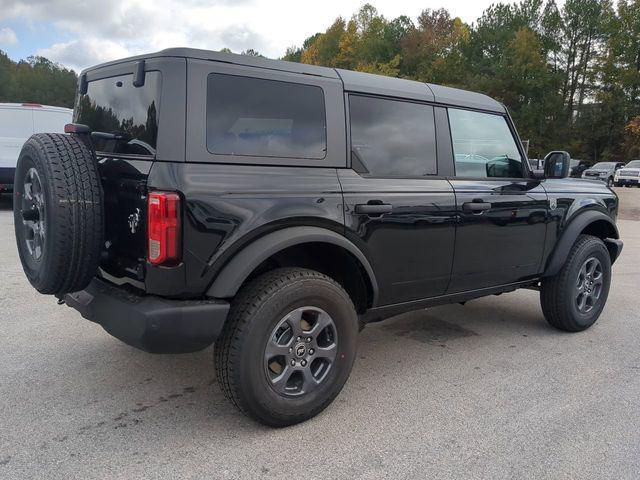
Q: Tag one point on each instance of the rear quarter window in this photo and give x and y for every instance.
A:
(265, 118)
(123, 118)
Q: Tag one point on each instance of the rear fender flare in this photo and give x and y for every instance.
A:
(570, 235)
(233, 275)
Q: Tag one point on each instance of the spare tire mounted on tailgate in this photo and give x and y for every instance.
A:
(58, 213)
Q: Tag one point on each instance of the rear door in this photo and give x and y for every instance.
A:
(502, 211)
(398, 210)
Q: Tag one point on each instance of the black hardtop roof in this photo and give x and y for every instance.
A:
(353, 81)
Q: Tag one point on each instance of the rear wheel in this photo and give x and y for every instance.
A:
(288, 346)
(573, 299)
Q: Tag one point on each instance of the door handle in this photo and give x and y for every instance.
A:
(373, 209)
(476, 207)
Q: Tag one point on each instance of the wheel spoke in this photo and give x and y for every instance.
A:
(294, 319)
(328, 352)
(279, 383)
(276, 350)
(582, 300)
(309, 382)
(322, 322)
(28, 191)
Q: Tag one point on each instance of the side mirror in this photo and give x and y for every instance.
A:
(557, 164)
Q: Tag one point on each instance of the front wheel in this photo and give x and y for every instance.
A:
(610, 182)
(573, 299)
(287, 347)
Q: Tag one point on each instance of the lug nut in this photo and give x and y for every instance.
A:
(293, 363)
(290, 349)
(299, 338)
(311, 351)
(303, 363)
(308, 339)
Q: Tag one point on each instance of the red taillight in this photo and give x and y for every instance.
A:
(163, 219)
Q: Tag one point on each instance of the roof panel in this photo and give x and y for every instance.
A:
(230, 58)
(388, 86)
(464, 98)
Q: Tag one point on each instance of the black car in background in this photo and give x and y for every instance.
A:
(577, 168)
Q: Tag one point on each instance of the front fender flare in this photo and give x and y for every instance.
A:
(570, 235)
(232, 275)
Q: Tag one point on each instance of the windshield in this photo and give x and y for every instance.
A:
(604, 165)
(633, 164)
(122, 118)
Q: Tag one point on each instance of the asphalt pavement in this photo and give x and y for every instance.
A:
(485, 390)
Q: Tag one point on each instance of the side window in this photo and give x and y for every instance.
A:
(392, 137)
(265, 118)
(483, 145)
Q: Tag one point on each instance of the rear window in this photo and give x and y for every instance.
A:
(123, 119)
(265, 118)
(393, 138)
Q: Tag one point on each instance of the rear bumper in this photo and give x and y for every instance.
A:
(150, 323)
(6, 179)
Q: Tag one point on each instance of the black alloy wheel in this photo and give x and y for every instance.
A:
(301, 351)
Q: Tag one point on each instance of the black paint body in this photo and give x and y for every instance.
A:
(427, 249)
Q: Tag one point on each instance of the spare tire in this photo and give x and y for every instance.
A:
(58, 213)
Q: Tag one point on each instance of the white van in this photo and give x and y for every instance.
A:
(18, 121)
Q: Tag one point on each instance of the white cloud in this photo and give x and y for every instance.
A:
(8, 36)
(108, 30)
(78, 54)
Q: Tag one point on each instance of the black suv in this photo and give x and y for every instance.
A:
(275, 208)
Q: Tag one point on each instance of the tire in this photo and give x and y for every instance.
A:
(617, 184)
(58, 213)
(560, 295)
(260, 313)
(610, 182)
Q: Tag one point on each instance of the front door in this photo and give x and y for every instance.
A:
(501, 211)
(396, 210)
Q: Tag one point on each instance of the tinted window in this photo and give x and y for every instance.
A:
(634, 164)
(391, 137)
(483, 145)
(128, 115)
(266, 118)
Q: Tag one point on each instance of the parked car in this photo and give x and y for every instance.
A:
(603, 171)
(275, 208)
(577, 168)
(18, 121)
(628, 175)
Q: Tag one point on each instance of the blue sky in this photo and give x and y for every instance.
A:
(31, 37)
(78, 33)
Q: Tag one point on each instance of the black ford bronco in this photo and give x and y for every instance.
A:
(274, 208)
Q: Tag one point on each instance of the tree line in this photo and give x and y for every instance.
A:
(569, 76)
(36, 80)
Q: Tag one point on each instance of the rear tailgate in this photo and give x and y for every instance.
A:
(123, 121)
